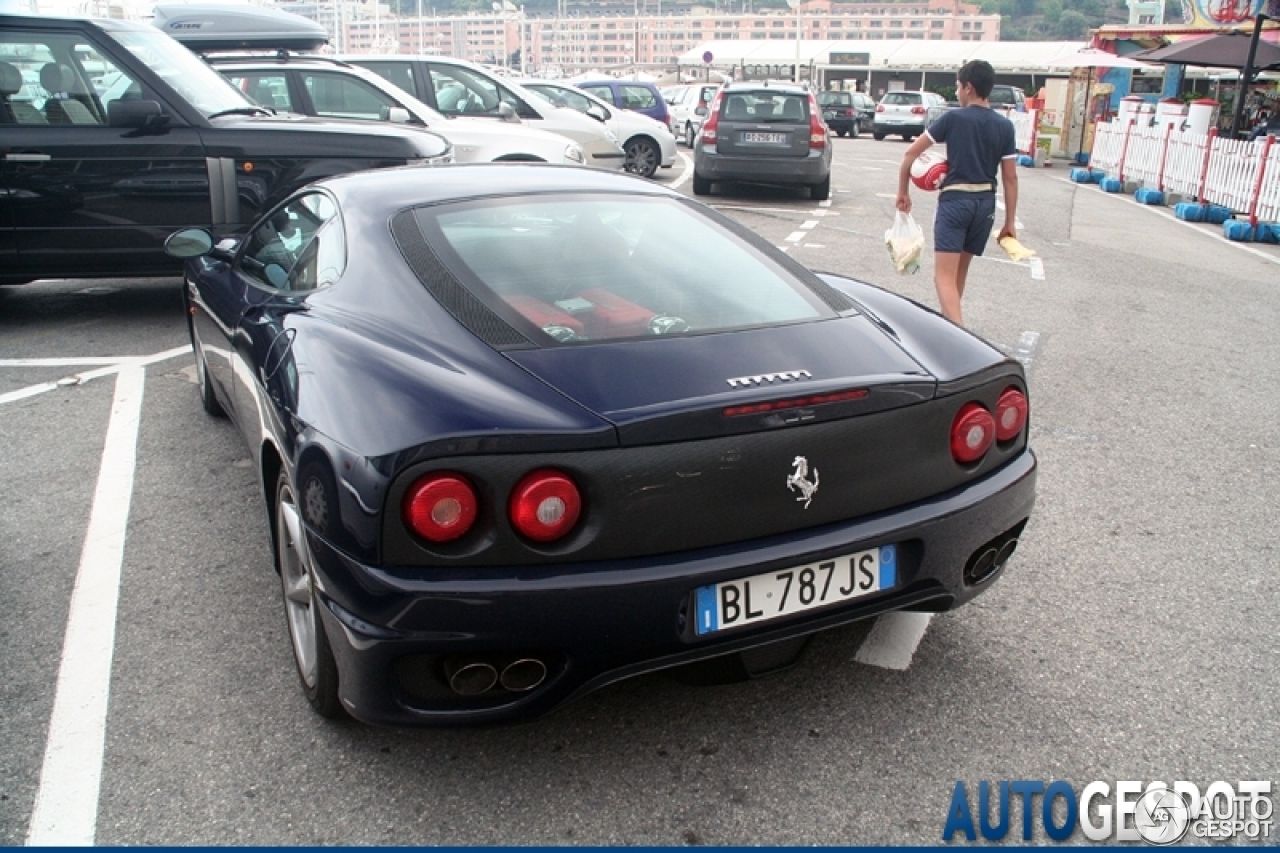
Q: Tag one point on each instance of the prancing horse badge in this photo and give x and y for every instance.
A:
(799, 480)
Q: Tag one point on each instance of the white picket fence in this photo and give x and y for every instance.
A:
(1243, 176)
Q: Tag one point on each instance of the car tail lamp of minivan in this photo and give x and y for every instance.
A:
(817, 130)
(713, 121)
(972, 433)
(545, 505)
(1011, 414)
(440, 507)
(918, 111)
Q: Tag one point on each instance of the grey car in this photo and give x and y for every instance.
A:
(765, 134)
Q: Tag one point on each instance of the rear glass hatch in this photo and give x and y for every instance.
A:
(597, 300)
(764, 123)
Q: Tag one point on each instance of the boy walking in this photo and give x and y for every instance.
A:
(981, 150)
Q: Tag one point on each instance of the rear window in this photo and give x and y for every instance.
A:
(835, 99)
(766, 107)
(583, 268)
(901, 98)
(1003, 96)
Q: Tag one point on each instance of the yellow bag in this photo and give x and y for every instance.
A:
(1015, 250)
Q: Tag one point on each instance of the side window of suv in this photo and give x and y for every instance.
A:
(269, 90)
(604, 93)
(638, 97)
(56, 79)
(300, 247)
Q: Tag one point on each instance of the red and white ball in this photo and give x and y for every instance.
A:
(928, 171)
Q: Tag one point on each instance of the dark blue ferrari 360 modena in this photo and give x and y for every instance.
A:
(514, 448)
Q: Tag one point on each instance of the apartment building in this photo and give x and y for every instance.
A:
(647, 39)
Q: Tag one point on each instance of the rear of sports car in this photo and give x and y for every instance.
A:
(781, 453)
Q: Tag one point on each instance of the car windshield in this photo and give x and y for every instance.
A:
(585, 268)
(899, 98)
(204, 88)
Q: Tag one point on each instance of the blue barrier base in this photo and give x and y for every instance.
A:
(1148, 196)
(1217, 214)
(1026, 160)
(1190, 211)
(1237, 231)
(1082, 158)
(1268, 232)
(1081, 176)
(1110, 185)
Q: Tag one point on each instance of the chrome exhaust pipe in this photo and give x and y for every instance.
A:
(523, 674)
(469, 677)
(982, 566)
(1006, 551)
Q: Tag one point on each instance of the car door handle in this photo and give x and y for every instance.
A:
(27, 157)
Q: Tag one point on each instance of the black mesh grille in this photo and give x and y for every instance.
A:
(446, 289)
(834, 299)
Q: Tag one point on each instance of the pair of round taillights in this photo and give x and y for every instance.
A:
(442, 506)
(975, 429)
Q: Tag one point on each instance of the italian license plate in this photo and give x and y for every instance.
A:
(773, 595)
(769, 138)
(828, 114)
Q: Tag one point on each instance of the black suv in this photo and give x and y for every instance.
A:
(113, 135)
(847, 113)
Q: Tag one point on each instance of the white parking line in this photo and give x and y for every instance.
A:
(893, 640)
(66, 806)
(113, 366)
(796, 236)
(809, 223)
(686, 171)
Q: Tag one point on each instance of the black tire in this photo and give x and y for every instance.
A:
(317, 670)
(207, 398)
(877, 136)
(853, 129)
(690, 137)
(822, 191)
(643, 156)
(907, 137)
(701, 186)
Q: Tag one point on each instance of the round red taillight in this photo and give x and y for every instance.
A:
(972, 433)
(440, 507)
(545, 505)
(1011, 414)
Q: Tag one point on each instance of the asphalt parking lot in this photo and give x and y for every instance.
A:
(1132, 636)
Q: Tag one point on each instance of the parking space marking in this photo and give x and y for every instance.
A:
(1024, 351)
(66, 805)
(685, 171)
(893, 640)
(1037, 269)
(62, 362)
(796, 236)
(113, 366)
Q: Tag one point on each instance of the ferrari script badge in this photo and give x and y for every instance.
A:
(798, 480)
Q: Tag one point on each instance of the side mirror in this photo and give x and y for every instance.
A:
(398, 115)
(598, 113)
(138, 114)
(506, 113)
(701, 111)
(188, 243)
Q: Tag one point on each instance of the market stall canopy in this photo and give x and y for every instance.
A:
(1091, 58)
(1225, 50)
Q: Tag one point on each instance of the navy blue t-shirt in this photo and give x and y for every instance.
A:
(977, 139)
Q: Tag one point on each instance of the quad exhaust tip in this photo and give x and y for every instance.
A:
(990, 557)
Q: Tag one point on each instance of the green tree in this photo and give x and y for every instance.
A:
(1052, 11)
(1072, 25)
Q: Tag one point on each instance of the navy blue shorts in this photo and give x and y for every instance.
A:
(963, 222)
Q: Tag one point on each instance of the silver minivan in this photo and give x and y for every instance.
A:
(907, 113)
(689, 105)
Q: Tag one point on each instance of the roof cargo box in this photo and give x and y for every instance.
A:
(210, 27)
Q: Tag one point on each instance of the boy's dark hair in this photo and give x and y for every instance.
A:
(980, 74)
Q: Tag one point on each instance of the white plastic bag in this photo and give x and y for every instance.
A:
(906, 243)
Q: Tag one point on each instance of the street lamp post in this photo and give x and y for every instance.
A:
(795, 4)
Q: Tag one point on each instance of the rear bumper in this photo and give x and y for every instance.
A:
(898, 127)
(714, 166)
(594, 624)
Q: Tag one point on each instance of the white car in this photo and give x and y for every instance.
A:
(647, 142)
(689, 105)
(459, 88)
(317, 85)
